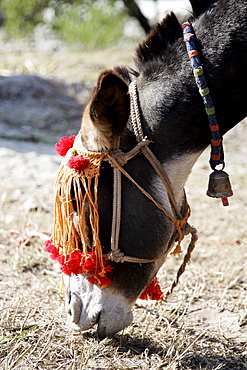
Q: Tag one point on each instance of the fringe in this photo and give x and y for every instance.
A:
(76, 191)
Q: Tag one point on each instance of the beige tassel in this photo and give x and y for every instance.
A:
(75, 190)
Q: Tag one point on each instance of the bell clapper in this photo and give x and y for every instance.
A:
(225, 201)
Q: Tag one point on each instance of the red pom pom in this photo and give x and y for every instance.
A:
(65, 270)
(108, 268)
(65, 143)
(60, 258)
(98, 275)
(73, 263)
(78, 163)
(76, 256)
(153, 291)
(102, 281)
(49, 247)
(54, 256)
(90, 263)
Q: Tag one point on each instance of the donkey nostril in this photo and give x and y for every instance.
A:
(69, 296)
(75, 308)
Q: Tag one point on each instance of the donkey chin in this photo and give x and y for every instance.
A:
(87, 305)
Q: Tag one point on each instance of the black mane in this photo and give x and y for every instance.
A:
(159, 42)
(165, 34)
(160, 38)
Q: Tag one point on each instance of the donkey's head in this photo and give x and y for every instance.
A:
(174, 119)
(104, 124)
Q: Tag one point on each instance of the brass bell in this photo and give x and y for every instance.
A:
(219, 186)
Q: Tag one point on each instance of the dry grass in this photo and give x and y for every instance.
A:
(203, 325)
(78, 66)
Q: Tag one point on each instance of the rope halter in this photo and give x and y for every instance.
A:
(77, 186)
(142, 147)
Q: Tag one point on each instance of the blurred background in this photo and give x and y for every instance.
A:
(51, 53)
(82, 23)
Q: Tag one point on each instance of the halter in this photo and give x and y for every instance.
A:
(117, 159)
(80, 170)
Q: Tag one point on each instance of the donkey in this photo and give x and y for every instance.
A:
(175, 124)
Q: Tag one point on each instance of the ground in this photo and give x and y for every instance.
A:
(202, 325)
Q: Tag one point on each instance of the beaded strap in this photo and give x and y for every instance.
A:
(217, 153)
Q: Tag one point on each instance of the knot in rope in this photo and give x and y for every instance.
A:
(179, 224)
(116, 256)
(183, 228)
(119, 156)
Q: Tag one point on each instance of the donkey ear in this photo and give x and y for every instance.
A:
(109, 108)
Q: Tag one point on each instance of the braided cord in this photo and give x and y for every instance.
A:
(137, 127)
(217, 154)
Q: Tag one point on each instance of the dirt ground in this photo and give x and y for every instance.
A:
(203, 325)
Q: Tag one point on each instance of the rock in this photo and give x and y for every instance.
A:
(36, 109)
